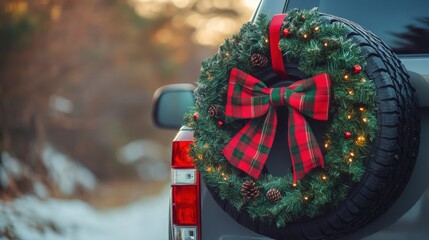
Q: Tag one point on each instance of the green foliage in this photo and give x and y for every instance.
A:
(15, 30)
(317, 47)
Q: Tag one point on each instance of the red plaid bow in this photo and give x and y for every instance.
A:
(249, 98)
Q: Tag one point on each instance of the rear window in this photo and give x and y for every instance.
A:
(403, 25)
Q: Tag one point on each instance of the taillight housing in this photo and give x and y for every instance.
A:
(185, 189)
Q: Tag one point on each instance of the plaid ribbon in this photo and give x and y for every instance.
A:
(250, 98)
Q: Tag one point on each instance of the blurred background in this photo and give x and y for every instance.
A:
(80, 157)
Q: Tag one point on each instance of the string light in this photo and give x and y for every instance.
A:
(316, 28)
(360, 140)
(362, 80)
(350, 92)
(361, 109)
(227, 54)
(324, 177)
(305, 35)
(266, 40)
(349, 117)
(208, 169)
(346, 77)
(326, 145)
(294, 185)
(306, 198)
(352, 154)
(209, 76)
(364, 120)
(325, 44)
(200, 156)
(350, 160)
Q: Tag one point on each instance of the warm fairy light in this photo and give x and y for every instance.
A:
(349, 117)
(346, 77)
(225, 178)
(266, 40)
(361, 109)
(360, 140)
(227, 54)
(325, 44)
(352, 154)
(324, 177)
(350, 160)
(326, 145)
(293, 184)
(350, 92)
(200, 156)
(364, 120)
(316, 28)
(362, 80)
(223, 174)
(306, 198)
(305, 35)
(209, 77)
(208, 169)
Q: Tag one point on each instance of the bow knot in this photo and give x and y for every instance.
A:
(250, 98)
(277, 96)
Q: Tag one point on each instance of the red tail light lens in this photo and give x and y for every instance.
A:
(185, 205)
(181, 156)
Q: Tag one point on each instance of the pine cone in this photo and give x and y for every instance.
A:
(249, 190)
(258, 60)
(274, 195)
(215, 111)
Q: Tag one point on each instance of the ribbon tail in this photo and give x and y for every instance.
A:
(304, 149)
(248, 150)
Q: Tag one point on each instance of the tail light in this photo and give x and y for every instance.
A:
(185, 190)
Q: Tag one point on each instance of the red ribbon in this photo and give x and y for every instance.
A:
(276, 54)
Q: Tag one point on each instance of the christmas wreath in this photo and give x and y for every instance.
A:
(235, 117)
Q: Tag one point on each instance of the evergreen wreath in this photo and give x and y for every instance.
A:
(316, 47)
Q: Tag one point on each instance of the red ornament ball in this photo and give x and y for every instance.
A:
(357, 69)
(347, 134)
(196, 115)
(219, 123)
(286, 32)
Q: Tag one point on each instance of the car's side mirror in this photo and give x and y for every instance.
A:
(170, 103)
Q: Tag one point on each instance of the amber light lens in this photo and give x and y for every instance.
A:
(180, 155)
(185, 204)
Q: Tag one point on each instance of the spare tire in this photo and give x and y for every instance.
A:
(388, 166)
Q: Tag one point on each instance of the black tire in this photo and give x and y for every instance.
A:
(392, 159)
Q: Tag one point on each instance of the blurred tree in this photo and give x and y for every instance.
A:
(415, 37)
(80, 75)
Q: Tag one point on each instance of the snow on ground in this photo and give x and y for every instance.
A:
(30, 218)
(65, 172)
